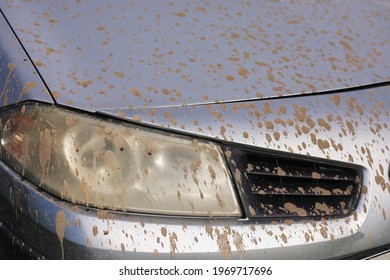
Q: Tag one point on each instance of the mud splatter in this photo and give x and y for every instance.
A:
(137, 118)
(294, 209)
(324, 232)
(281, 172)
(11, 67)
(316, 175)
(323, 207)
(238, 242)
(164, 231)
(173, 246)
(223, 244)
(237, 176)
(60, 229)
(284, 238)
(369, 240)
(209, 230)
(95, 230)
(26, 89)
(229, 78)
(119, 74)
(252, 211)
(44, 151)
(289, 222)
(212, 172)
(102, 214)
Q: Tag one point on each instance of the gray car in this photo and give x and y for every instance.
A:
(195, 130)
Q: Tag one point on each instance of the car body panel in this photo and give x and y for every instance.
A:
(354, 117)
(148, 54)
(19, 80)
(348, 127)
(159, 65)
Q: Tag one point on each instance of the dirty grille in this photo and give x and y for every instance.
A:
(277, 186)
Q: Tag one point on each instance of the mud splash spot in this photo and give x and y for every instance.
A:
(209, 230)
(102, 214)
(137, 118)
(350, 127)
(173, 246)
(307, 237)
(281, 172)
(212, 172)
(316, 175)
(243, 72)
(229, 78)
(164, 231)
(323, 144)
(26, 89)
(289, 222)
(252, 211)
(284, 238)
(324, 232)
(119, 74)
(60, 229)
(324, 208)
(269, 125)
(238, 242)
(321, 122)
(237, 176)
(369, 240)
(44, 151)
(294, 209)
(336, 99)
(11, 67)
(223, 244)
(221, 203)
(95, 230)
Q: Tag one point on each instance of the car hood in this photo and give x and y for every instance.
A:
(96, 55)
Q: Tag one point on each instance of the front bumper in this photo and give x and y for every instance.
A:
(13, 248)
(86, 233)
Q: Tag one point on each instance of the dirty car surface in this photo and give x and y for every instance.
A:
(189, 130)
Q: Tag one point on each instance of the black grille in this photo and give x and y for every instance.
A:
(285, 187)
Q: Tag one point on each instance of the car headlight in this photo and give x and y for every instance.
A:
(114, 165)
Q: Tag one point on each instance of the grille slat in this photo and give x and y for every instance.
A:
(283, 187)
(322, 178)
(292, 207)
(275, 185)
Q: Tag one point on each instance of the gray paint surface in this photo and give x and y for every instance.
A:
(98, 55)
(128, 60)
(19, 80)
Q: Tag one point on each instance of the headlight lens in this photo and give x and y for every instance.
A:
(108, 164)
